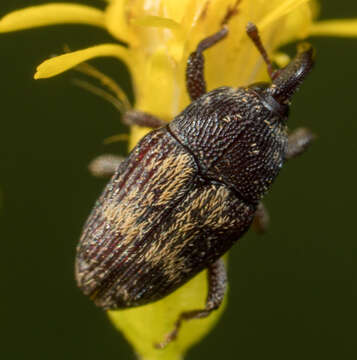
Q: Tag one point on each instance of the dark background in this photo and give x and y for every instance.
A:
(292, 291)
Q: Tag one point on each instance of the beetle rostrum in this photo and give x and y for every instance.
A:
(190, 189)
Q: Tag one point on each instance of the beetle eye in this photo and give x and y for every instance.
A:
(259, 86)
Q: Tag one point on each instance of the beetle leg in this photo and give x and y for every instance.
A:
(261, 219)
(298, 142)
(140, 118)
(217, 284)
(195, 81)
(105, 165)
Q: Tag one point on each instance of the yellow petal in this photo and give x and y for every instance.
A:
(116, 20)
(297, 23)
(43, 15)
(335, 28)
(59, 64)
(147, 325)
(285, 8)
(281, 59)
(156, 21)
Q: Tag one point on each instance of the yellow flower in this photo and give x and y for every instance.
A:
(160, 35)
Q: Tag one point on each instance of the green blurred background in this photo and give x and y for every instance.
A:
(292, 291)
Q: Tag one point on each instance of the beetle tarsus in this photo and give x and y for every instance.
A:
(217, 285)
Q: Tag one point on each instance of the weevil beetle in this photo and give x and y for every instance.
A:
(190, 189)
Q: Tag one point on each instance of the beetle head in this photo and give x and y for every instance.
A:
(276, 95)
(286, 81)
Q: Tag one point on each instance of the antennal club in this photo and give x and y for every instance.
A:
(253, 33)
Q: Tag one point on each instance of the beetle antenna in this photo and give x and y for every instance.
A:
(253, 33)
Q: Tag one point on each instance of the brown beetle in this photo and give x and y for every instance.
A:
(189, 190)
